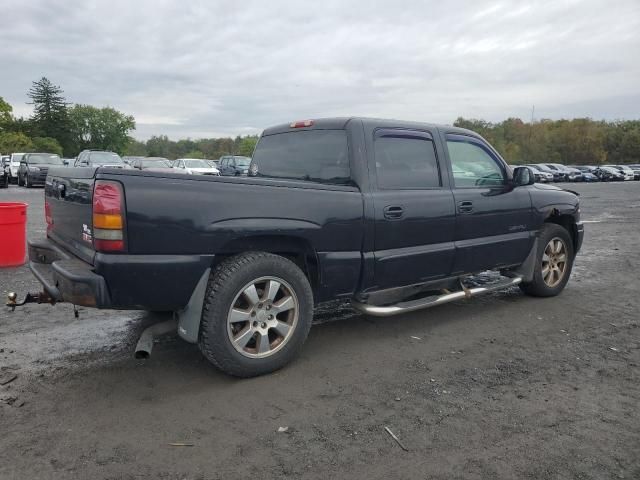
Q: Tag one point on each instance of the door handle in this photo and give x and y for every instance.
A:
(393, 211)
(465, 207)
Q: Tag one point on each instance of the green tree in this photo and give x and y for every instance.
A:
(135, 148)
(101, 128)
(6, 118)
(194, 154)
(50, 116)
(46, 145)
(11, 142)
(247, 144)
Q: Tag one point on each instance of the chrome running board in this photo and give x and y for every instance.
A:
(433, 300)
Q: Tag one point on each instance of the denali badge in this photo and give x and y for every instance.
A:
(86, 233)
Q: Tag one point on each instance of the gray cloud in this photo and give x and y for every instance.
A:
(224, 68)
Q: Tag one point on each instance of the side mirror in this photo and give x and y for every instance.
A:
(523, 176)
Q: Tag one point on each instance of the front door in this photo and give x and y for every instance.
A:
(493, 219)
(414, 210)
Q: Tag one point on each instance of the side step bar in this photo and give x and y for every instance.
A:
(433, 300)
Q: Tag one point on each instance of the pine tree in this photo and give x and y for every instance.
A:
(50, 117)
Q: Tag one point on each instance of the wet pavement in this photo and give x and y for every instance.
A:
(501, 386)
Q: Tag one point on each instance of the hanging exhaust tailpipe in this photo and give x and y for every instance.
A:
(145, 344)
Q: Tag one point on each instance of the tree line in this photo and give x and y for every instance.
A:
(581, 141)
(57, 126)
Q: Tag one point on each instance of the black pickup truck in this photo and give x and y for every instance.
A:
(394, 216)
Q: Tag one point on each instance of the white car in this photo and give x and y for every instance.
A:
(195, 166)
(624, 170)
(15, 165)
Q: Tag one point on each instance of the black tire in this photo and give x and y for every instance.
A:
(538, 287)
(20, 182)
(225, 283)
(27, 183)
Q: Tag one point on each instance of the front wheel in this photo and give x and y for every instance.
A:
(256, 315)
(554, 262)
(27, 182)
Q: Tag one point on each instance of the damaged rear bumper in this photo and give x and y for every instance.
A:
(66, 278)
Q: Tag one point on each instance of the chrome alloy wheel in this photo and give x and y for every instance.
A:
(262, 317)
(554, 262)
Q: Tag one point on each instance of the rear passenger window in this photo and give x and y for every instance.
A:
(406, 163)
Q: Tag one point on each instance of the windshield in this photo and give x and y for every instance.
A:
(196, 164)
(17, 157)
(243, 162)
(156, 162)
(105, 158)
(44, 159)
(316, 155)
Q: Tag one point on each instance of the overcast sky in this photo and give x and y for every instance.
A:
(202, 69)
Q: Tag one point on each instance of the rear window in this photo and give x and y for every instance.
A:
(313, 155)
(105, 158)
(45, 159)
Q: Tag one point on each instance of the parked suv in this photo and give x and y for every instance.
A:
(5, 172)
(234, 165)
(34, 167)
(14, 166)
(99, 158)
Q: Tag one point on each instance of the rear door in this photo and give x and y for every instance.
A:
(493, 220)
(414, 209)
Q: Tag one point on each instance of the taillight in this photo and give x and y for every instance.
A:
(108, 217)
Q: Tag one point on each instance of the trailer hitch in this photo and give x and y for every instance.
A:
(40, 297)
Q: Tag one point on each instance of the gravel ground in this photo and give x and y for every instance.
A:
(502, 386)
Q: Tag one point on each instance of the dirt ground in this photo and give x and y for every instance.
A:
(504, 386)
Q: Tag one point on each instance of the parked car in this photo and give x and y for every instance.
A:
(557, 175)
(234, 165)
(195, 166)
(588, 174)
(130, 159)
(541, 175)
(158, 164)
(636, 171)
(68, 161)
(627, 173)
(568, 174)
(34, 167)
(609, 174)
(99, 158)
(5, 172)
(339, 208)
(15, 166)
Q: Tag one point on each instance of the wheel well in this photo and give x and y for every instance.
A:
(296, 249)
(568, 223)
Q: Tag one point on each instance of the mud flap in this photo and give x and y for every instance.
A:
(528, 267)
(189, 317)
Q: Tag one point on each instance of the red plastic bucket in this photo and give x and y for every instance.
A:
(13, 233)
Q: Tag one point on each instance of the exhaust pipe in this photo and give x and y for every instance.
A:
(145, 343)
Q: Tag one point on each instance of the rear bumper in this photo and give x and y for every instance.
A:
(135, 282)
(65, 277)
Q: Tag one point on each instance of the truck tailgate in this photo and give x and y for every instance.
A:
(68, 196)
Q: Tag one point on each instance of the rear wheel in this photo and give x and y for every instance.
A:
(27, 182)
(553, 263)
(20, 182)
(257, 314)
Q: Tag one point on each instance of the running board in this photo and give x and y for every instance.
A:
(433, 300)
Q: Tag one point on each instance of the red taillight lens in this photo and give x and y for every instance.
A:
(108, 217)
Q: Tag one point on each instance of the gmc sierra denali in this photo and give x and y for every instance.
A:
(394, 216)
